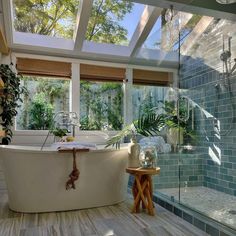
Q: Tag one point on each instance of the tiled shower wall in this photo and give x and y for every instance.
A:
(214, 106)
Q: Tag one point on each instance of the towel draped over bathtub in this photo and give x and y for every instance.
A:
(74, 175)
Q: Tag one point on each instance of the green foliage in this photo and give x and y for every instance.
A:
(47, 17)
(174, 122)
(146, 105)
(103, 26)
(8, 102)
(58, 17)
(148, 124)
(116, 140)
(54, 90)
(40, 113)
(58, 132)
(102, 104)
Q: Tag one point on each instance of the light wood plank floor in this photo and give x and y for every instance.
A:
(102, 221)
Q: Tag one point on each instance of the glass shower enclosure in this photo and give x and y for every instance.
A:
(200, 171)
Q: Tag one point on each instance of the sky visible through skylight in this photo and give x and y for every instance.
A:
(154, 39)
(131, 20)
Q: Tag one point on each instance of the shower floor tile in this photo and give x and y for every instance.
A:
(217, 205)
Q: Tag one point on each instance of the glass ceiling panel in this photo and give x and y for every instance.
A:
(113, 21)
(54, 18)
(165, 35)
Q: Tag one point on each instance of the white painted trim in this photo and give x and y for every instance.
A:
(105, 48)
(94, 62)
(190, 7)
(8, 21)
(128, 108)
(42, 41)
(197, 31)
(75, 92)
(85, 8)
(147, 21)
(157, 55)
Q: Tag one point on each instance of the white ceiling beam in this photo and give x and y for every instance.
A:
(43, 42)
(147, 21)
(197, 31)
(8, 21)
(203, 8)
(105, 48)
(157, 55)
(166, 43)
(84, 13)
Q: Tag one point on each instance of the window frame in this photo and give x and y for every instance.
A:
(75, 94)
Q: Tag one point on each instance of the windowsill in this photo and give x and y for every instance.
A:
(78, 133)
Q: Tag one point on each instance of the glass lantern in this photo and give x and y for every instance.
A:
(148, 157)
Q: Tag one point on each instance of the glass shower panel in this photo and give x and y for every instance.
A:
(167, 184)
(207, 153)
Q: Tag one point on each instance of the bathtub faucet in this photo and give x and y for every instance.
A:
(64, 119)
(67, 119)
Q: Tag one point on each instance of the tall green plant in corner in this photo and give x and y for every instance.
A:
(9, 99)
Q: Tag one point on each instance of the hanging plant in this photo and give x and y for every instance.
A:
(8, 100)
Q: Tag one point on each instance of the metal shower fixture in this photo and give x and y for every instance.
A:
(226, 1)
(66, 119)
(169, 14)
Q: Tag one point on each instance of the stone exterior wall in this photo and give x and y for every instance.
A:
(214, 99)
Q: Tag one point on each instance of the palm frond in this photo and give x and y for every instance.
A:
(116, 140)
(150, 124)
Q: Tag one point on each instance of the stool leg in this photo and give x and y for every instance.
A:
(138, 199)
(150, 203)
(143, 180)
(141, 189)
(151, 187)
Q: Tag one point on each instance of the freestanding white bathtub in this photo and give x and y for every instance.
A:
(36, 179)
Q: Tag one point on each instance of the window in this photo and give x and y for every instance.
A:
(53, 18)
(101, 105)
(113, 21)
(146, 97)
(45, 97)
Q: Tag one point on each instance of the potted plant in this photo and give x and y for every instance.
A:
(149, 124)
(178, 124)
(152, 123)
(9, 100)
(58, 132)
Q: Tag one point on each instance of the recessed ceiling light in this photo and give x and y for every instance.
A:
(226, 1)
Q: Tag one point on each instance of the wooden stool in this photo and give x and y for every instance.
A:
(142, 188)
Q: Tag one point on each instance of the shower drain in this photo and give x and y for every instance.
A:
(232, 212)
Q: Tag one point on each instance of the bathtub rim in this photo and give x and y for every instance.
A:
(37, 149)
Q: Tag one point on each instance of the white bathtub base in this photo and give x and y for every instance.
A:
(36, 179)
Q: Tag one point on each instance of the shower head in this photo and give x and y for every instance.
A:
(224, 56)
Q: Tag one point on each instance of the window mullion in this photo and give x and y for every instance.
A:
(128, 109)
(75, 90)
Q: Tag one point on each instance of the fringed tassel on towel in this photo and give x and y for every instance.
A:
(74, 175)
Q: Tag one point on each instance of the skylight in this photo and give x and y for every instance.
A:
(49, 17)
(154, 39)
(113, 21)
(165, 35)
